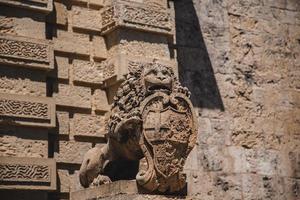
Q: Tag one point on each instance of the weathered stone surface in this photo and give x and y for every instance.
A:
(23, 142)
(85, 18)
(64, 42)
(21, 81)
(64, 180)
(150, 97)
(118, 190)
(98, 46)
(63, 122)
(27, 110)
(100, 101)
(73, 96)
(136, 16)
(35, 5)
(92, 72)
(27, 173)
(60, 16)
(88, 125)
(62, 66)
(71, 151)
(26, 52)
(21, 22)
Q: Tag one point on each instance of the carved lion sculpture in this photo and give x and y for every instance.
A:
(150, 91)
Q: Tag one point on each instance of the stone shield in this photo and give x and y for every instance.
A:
(169, 134)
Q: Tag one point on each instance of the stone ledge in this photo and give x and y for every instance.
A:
(27, 173)
(27, 110)
(26, 52)
(126, 190)
(45, 6)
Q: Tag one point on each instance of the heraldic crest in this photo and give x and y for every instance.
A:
(152, 118)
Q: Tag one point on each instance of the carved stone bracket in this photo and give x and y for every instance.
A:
(136, 16)
(27, 173)
(27, 52)
(27, 110)
(37, 5)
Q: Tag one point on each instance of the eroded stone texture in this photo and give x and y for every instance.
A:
(71, 151)
(23, 142)
(88, 125)
(74, 96)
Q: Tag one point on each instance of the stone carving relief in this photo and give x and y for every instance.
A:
(129, 14)
(24, 110)
(23, 51)
(25, 173)
(21, 173)
(151, 117)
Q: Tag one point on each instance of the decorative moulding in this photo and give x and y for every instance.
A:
(27, 110)
(26, 52)
(27, 173)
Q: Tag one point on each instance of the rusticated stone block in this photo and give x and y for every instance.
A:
(262, 187)
(23, 142)
(136, 16)
(98, 46)
(71, 151)
(36, 5)
(62, 64)
(63, 123)
(100, 101)
(88, 125)
(64, 180)
(92, 72)
(86, 18)
(73, 43)
(27, 110)
(73, 96)
(26, 52)
(14, 80)
(27, 173)
(21, 22)
(60, 16)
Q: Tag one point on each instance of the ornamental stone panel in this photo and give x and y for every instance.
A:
(27, 110)
(27, 173)
(26, 52)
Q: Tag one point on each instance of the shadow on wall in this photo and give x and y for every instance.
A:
(194, 65)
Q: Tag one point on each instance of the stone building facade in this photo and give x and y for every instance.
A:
(61, 62)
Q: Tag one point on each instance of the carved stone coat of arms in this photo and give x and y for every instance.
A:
(151, 117)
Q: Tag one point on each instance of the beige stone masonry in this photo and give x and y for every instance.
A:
(92, 72)
(45, 6)
(88, 125)
(71, 151)
(85, 18)
(27, 173)
(26, 52)
(73, 96)
(27, 110)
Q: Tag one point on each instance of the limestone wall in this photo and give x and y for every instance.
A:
(240, 59)
(62, 62)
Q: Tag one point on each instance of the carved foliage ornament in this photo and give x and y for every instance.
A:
(151, 117)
